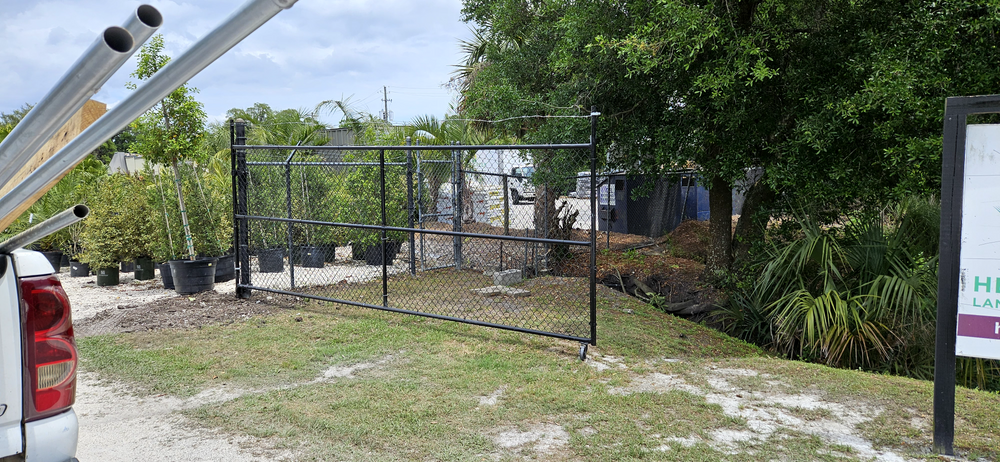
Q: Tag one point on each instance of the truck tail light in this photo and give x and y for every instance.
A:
(50, 348)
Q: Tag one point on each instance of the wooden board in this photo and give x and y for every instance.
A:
(91, 111)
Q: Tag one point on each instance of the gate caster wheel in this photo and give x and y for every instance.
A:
(583, 352)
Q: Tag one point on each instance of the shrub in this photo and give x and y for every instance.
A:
(861, 295)
(119, 227)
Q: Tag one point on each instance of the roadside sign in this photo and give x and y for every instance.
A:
(978, 330)
(968, 315)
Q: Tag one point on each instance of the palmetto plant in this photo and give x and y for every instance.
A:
(818, 306)
(860, 294)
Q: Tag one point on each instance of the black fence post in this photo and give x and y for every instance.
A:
(237, 136)
(456, 203)
(409, 206)
(385, 272)
(593, 225)
(506, 213)
(420, 204)
(288, 204)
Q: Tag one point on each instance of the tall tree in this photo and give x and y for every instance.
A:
(839, 101)
(170, 132)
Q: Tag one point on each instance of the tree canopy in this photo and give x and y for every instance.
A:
(840, 101)
(171, 130)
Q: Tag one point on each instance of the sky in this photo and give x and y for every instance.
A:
(315, 51)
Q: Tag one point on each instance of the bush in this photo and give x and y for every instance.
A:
(119, 227)
(861, 295)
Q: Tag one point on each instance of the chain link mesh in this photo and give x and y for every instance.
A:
(487, 237)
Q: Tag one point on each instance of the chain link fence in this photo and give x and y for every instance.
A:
(474, 234)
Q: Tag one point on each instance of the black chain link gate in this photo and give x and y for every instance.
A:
(458, 233)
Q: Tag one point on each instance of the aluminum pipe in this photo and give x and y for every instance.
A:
(142, 24)
(235, 28)
(83, 79)
(52, 225)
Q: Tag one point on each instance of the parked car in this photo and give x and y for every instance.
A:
(38, 361)
(519, 183)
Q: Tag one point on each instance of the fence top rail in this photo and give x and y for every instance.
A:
(417, 147)
(325, 164)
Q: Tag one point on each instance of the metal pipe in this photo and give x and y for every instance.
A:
(85, 78)
(52, 225)
(80, 82)
(240, 24)
(142, 24)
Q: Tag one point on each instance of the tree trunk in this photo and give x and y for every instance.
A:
(753, 219)
(545, 211)
(184, 217)
(720, 226)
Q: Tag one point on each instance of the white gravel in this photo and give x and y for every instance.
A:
(87, 299)
(117, 426)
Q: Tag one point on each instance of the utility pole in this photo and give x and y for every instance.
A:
(385, 99)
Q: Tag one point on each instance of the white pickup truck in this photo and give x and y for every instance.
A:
(519, 183)
(38, 360)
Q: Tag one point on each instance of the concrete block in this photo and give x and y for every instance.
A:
(488, 291)
(507, 278)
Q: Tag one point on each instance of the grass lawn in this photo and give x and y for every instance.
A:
(330, 382)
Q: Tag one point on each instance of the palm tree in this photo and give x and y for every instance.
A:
(445, 132)
(288, 127)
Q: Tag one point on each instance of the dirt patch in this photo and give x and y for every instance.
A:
(150, 428)
(690, 240)
(766, 415)
(540, 440)
(179, 311)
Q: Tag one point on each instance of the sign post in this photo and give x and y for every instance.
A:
(968, 315)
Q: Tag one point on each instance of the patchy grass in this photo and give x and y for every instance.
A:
(344, 383)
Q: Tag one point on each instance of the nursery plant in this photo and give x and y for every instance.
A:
(169, 133)
(119, 225)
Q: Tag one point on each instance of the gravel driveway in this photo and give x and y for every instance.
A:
(119, 425)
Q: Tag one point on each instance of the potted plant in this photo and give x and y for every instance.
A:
(112, 231)
(135, 207)
(71, 190)
(165, 243)
(365, 183)
(169, 135)
(268, 239)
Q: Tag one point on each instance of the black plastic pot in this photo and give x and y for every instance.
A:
(329, 252)
(78, 269)
(226, 270)
(358, 251)
(373, 255)
(271, 260)
(55, 258)
(193, 276)
(311, 256)
(165, 276)
(65, 261)
(127, 266)
(144, 269)
(107, 276)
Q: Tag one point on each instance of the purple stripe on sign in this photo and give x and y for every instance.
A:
(970, 325)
